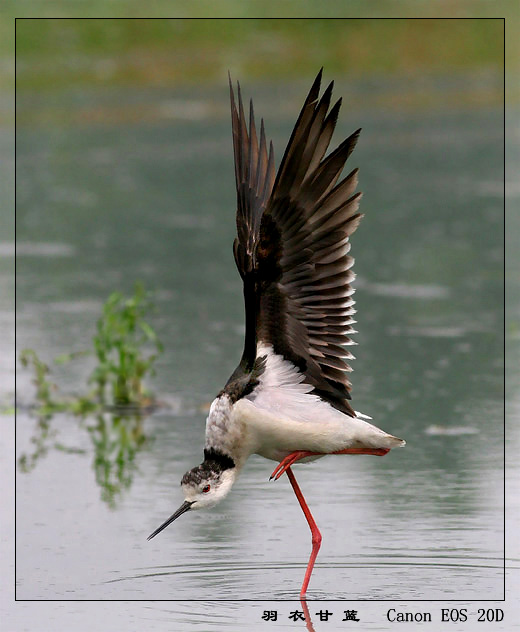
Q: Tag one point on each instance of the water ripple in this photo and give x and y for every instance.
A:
(371, 562)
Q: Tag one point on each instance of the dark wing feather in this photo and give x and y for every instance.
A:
(303, 267)
(254, 175)
(292, 247)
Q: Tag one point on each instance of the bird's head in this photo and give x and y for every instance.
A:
(204, 486)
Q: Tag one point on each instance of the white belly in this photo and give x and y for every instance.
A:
(322, 429)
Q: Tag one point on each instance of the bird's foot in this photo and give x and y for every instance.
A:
(282, 467)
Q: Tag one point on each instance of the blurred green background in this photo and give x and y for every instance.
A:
(155, 51)
(61, 53)
(83, 55)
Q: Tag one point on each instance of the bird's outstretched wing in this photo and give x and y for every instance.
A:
(292, 248)
(254, 176)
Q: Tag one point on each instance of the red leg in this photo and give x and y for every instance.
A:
(316, 535)
(301, 454)
(375, 451)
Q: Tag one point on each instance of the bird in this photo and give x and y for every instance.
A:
(289, 398)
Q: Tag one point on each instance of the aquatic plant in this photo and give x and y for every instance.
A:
(119, 344)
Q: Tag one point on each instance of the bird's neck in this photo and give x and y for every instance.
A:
(224, 461)
(225, 434)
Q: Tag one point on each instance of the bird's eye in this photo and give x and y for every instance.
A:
(206, 489)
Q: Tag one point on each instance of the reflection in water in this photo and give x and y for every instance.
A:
(308, 620)
(116, 439)
(43, 434)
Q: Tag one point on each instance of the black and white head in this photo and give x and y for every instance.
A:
(205, 485)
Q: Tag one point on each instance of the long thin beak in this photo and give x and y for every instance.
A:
(186, 505)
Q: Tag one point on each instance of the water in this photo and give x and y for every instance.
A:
(104, 202)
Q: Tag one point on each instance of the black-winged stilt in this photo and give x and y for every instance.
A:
(288, 399)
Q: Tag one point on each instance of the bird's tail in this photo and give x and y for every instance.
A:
(378, 436)
(394, 442)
